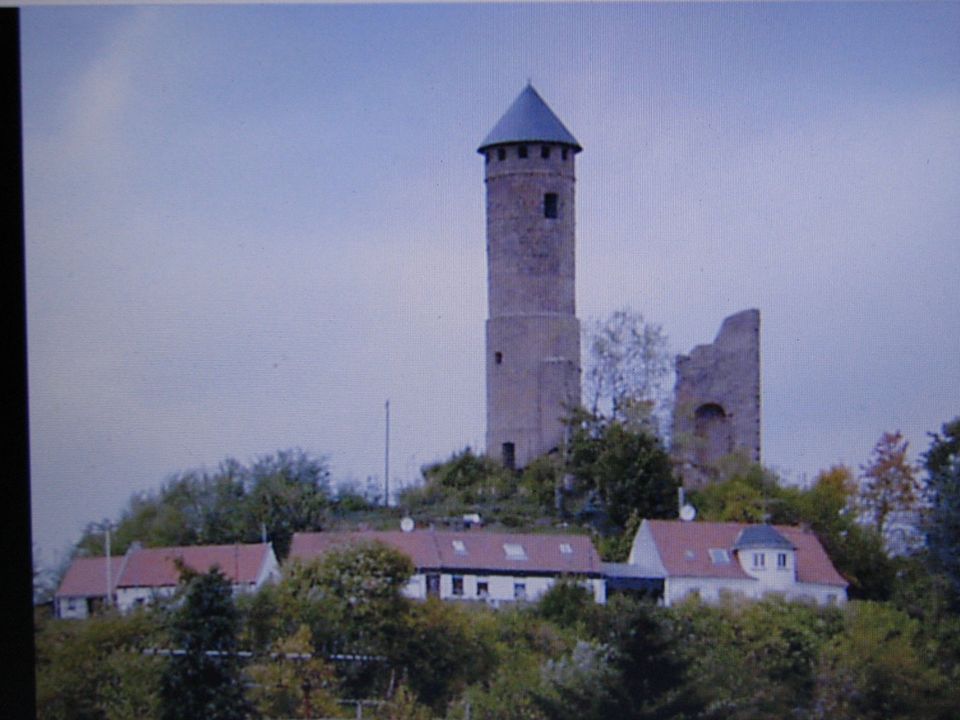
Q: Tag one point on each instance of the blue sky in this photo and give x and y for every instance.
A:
(247, 227)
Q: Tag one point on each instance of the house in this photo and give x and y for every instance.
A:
(143, 575)
(152, 573)
(83, 590)
(679, 559)
(476, 566)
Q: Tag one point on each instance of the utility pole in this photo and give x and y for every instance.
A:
(386, 461)
(106, 530)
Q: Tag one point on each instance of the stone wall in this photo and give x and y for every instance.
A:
(717, 400)
(532, 334)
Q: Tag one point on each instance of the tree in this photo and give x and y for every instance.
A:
(281, 493)
(888, 481)
(627, 368)
(875, 670)
(627, 469)
(942, 463)
(205, 681)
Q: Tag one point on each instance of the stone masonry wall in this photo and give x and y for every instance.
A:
(533, 335)
(717, 400)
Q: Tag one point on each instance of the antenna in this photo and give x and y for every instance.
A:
(386, 460)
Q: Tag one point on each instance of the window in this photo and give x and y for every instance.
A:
(566, 549)
(509, 455)
(458, 585)
(545, 152)
(719, 556)
(483, 588)
(498, 357)
(782, 561)
(522, 152)
(501, 154)
(550, 206)
(563, 153)
(758, 561)
(690, 555)
(514, 551)
(458, 547)
(519, 591)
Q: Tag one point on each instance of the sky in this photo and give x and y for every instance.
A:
(248, 227)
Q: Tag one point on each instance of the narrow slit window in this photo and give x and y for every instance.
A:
(545, 152)
(498, 357)
(522, 151)
(550, 205)
(563, 154)
(501, 154)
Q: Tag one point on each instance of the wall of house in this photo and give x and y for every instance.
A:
(769, 573)
(711, 590)
(72, 608)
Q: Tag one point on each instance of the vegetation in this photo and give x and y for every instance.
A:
(340, 628)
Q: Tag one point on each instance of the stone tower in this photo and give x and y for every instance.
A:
(717, 400)
(532, 332)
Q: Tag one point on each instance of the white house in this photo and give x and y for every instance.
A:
(84, 588)
(476, 566)
(709, 560)
(146, 574)
(151, 573)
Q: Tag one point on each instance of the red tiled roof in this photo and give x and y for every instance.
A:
(87, 577)
(482, 551)
(684, 549)
(154, 567)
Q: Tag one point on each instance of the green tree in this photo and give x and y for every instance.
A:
(626, 468)
(875, 670)
(294, 681)
(942, 464)
(281, 493)
(888, 483)
(206, 680)
(96, 669)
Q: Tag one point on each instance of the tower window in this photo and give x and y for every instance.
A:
(498, 357)
(522, 151)
(501, 154)
(550, 205)
(563, 154)
(545, 152)
(486, 158)
(509, 456)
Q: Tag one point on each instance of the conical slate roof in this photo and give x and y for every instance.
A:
(529, 119)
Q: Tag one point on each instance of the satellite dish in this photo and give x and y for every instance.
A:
(688, 512)
(406, 524)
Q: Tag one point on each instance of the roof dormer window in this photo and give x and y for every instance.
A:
(719, 556)
(514, 551)
(566, 549)
(459, 547)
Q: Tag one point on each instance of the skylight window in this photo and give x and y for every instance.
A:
(719, 556)
(458, 547)
(514, 551)
(566, 549)
(690, 555)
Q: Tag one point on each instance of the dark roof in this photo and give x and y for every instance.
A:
(474, 551)
(529, 119)
(155, 567)
(684, 549)
(87, 577)
(761, 536)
